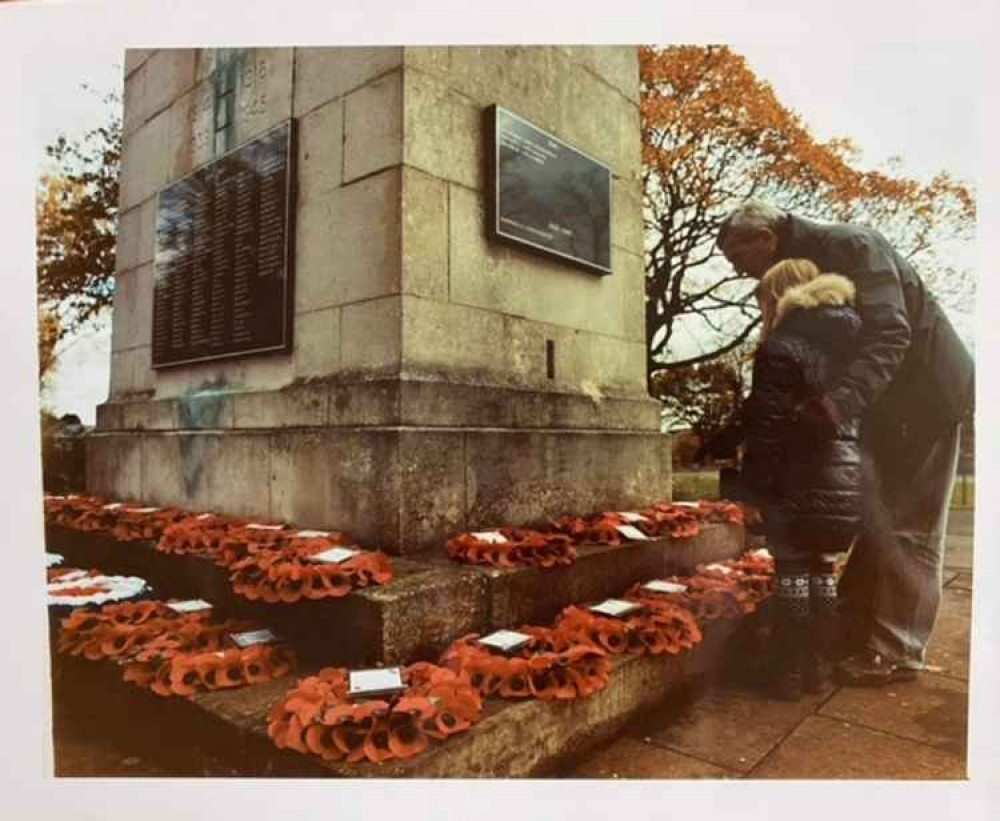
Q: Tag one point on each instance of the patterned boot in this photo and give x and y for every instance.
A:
(823, 629)
(791, 635)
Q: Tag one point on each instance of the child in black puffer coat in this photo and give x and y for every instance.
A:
(806, 480)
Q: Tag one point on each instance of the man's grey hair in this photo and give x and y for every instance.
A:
(751, 215)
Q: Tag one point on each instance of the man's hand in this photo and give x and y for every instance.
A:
(820, 416)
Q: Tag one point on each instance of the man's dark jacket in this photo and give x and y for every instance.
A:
(913, 378)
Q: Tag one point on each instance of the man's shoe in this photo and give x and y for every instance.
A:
(871, 669)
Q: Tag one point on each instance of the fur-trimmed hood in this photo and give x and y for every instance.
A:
(826, 289)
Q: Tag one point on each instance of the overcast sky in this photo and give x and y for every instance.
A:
(911, 100)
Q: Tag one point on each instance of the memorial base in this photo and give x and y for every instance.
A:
(400, 465)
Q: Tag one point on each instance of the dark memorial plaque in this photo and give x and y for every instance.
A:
(222, 279)
(547, 195)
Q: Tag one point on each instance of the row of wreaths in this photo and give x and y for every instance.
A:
(278, 563)
(179, 654)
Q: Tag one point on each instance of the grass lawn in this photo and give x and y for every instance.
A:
(689, 486)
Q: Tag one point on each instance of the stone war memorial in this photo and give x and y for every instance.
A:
(314, 323)
(378, 397)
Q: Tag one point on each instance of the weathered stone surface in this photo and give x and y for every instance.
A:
(531, 595)
(348, 244)
(199, 471)
(932, 710)
(626, 214)
(321, 151)
(616, 65)
(442, 129)
(317, 343)
(145, 161)
(135, 57)
(499, 278)
(962, 581)
(370, 337)
(430, 59)
(169, 73)
(148, 415)
(432, 479)
(424, 235)
(342, 479)
(132, 372)
(114, 466)
(364, 403)
(518, 477)
(301, 406)
(631, 758)
(259, 372)
(630, 267)
(323, 74)
(136, 236)
(133, 307)
(825, 748)
(263, 91)
(373, 127)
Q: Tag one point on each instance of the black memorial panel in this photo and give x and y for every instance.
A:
(547, 195)
(223, 273)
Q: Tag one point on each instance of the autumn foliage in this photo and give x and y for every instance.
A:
(713, 135)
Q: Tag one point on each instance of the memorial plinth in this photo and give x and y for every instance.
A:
(313, 321)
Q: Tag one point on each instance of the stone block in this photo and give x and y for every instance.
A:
(631, 269)
(108, 416)
(320, 151)
(424, 235)
(263, 91)
(432, 479)
(364, 402)
(205, 61)
(442, 129)
(317, 343)
(134, 108)
(371, 342)
(626, 212)
(298, 406)
(132, 372)
(323, 74)
(618, 66)
(494, 276)
(599, 364)
(128, 239)
(135, 57)
(258, 372)
(199, 471)
(373, 127)
(205, 410)
(149, 415)
(133, 308)
(169, 73)
(429, 59)
(520, 477)
(348, 244)
(338, 479)
(422, 613)
(145, 161)
(114, 466)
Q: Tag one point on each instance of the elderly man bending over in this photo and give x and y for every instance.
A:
(911, 382)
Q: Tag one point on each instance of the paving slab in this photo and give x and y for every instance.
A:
(631, 758)
(827, 748)
(950, 647)
(932, 710)
(730, 727)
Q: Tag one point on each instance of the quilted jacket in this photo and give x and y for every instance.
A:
(807, 485)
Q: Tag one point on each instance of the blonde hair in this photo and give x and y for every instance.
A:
(776, 280)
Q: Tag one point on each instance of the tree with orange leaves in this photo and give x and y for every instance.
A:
(713, 135)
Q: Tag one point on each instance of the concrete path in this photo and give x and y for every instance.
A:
(915, 730)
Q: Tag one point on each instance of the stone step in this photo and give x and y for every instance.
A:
(430, 602)
(513, 739)
(416, 616)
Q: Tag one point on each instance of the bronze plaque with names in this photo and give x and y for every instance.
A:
(222, 283)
